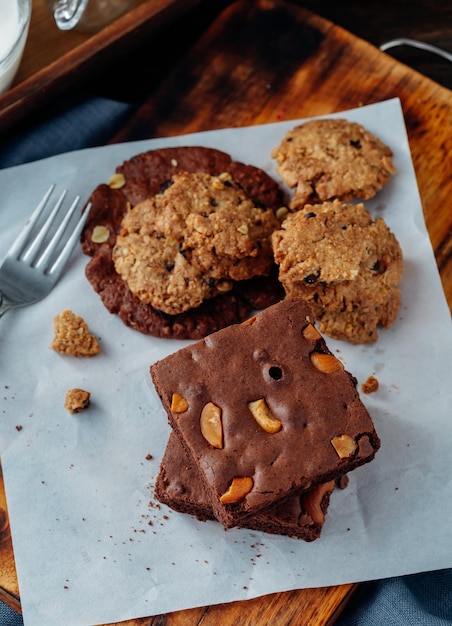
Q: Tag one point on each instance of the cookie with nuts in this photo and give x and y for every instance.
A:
(332, 158)
(180, 487)
(346, 265)
(265, 411)
(205, 266)
(192, 241)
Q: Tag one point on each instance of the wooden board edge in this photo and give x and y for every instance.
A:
(69, 69)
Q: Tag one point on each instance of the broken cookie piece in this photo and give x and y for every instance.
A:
(72, 336)
(77, 400)
(370, 385)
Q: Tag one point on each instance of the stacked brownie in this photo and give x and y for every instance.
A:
(265, 420)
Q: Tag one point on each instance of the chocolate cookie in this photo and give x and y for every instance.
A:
(265, 411)
(139, 180)
(344, 264)
(332, 159)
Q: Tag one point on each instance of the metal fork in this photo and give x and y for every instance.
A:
(36, 259)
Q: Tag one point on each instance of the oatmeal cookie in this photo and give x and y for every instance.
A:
(344, 264)
(190, 242)
(332, 158)
(149, 175)
(220, 228)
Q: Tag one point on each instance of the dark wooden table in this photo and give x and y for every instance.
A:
(376, 22)
(429, 21)
(134, 72)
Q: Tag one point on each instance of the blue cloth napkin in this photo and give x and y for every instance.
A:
(8, 617)
(67, 126)
(416, 600)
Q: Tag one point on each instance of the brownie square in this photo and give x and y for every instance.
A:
(265, 411)
(178, 485)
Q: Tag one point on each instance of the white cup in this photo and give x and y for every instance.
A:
(14, 23)
(87, 15)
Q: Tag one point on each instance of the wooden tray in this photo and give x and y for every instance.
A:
(55, 60)
(265, 61)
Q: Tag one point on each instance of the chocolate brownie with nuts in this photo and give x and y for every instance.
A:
(265, 411)
(172, 267)
(179, 487)
(346, 265)
(332, 158)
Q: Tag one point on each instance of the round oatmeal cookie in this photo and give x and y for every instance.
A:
(344, 264)
(153, 266)
(332, 159)
(220, 228)
(189, 243)
(229, 301)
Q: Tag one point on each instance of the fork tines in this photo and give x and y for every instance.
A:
(43, 242)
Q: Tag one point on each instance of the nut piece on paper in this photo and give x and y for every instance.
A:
(72, 336)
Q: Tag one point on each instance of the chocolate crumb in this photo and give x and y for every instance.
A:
(370, 385)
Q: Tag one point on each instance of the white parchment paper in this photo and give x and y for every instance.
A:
(91, 544)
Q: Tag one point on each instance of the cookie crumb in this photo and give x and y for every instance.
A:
(77, 400)
(370, 385)
(72, 336)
